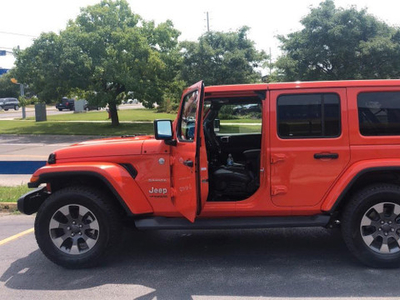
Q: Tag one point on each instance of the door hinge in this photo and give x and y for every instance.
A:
(173, 192)
(278, 190)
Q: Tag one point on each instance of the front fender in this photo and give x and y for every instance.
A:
(120, 180)
(346, 181)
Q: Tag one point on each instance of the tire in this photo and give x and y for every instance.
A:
(6, 109)
(60, 109)
(76, 227)
(16, 107)
(371, 226)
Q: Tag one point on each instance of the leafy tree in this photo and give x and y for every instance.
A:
(39, 67)
(338, 43)
(104, 54)
(222, 58)
(8, 89)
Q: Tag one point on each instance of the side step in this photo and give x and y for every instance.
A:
(232, 223)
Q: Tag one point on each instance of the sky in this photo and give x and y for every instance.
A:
(27, 19)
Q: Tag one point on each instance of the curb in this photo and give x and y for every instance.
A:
(8, 207)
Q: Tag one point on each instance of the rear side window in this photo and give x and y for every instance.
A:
(379, 113)
(309, 115)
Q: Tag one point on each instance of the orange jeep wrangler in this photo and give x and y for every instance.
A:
(285, 155)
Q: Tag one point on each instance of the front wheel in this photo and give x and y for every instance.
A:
(371, 226)
(16, 107)
(76, 227)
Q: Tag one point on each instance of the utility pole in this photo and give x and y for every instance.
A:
(22, 92)
(270, 62)
(208, 22)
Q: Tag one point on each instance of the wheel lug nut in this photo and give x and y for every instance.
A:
(386, 233)
(80, 225)
(80, 233)
(380, 229)
(392, 229)
(72, 234)
(73, 222)
(382, 222)
(390, 222)
(68, 228)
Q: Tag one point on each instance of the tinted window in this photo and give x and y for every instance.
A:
(379, 113)
(309, 115)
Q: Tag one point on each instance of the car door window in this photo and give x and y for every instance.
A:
(187, 121)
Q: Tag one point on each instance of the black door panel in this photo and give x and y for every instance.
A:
(237, 144)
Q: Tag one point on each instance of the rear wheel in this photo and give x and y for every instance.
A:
(76, 227)
(371, 226)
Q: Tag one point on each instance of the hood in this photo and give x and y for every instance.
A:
(121, 146)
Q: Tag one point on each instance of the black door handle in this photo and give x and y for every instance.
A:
(188, 163)
(326, 155)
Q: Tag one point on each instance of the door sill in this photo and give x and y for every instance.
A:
(232, 223)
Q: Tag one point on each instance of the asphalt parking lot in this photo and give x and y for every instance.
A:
(233, 264)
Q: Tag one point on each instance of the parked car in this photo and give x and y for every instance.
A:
(246, 109)
(323, 154)
(87, 106)
(66, 104)
(8, 103)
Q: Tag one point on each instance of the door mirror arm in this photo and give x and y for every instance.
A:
(171, 142)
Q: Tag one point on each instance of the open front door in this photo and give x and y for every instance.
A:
(189, 157)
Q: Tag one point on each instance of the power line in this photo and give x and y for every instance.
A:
(19, 34)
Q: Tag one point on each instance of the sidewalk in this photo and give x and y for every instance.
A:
(14, 180)
(31, 148)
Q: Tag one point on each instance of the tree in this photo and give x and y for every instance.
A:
(105, 53)
(39, 67)
(8, 89)
(222, 58)
(338, 43)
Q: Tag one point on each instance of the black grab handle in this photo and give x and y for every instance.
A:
(326, 155)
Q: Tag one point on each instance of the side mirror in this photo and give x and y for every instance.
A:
(163, 130)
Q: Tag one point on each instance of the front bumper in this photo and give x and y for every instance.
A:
(30, 202)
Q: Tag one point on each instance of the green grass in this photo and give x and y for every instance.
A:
(239, 129)
(148, 115)
(65, 128)
(240, 121)
(131, 115)
(59, 125)
(11, 194)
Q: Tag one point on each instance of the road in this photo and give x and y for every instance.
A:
(232, 264)
(30, 112)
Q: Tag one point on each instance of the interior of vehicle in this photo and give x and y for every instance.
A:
(233, 146)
